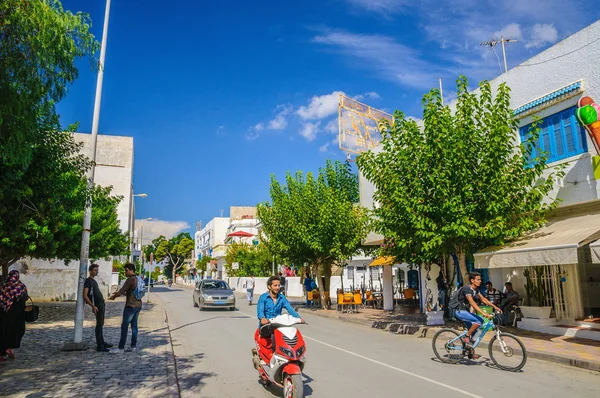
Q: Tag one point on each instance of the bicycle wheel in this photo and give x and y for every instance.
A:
(445, 349)
(514, 354)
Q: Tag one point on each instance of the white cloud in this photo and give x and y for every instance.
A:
(221, 130)
(310, 130)
(280, 121)
(320, 106)
(372, 95)
(259, 126)
(542, 34)
(323, 148)
(383, 7)
(332, 126)
(154, 228)
(252, 135)
(510, 31)
(401, 64)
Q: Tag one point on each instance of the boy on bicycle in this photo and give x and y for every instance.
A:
(465, 296)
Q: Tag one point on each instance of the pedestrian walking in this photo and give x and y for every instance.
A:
(282, 281)
(133, 306)
(308, 287)
(13, 297)
(250, 288)
(94, 298)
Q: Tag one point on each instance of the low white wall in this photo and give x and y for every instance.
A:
(53, 280)
(293, 287)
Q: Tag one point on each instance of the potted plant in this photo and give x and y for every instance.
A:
(535, 294)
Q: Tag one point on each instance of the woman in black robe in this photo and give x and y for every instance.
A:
(13, 297)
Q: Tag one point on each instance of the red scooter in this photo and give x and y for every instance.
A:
(281, 360)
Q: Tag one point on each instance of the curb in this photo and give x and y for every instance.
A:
(172, 379)
(428, 332)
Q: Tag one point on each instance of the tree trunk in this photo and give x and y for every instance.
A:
(318, 269)
(327, 272)
(5, 266)
(462, 265)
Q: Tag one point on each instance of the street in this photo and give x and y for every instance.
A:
(212, 350)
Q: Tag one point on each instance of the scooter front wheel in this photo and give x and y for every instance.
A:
(293, 387)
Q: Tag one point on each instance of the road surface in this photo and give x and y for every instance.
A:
(213, 355)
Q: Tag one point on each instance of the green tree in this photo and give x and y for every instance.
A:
(41, 43)
(202, 264)
(315, 220)
(253, 260)
(459, 183)
(175, 250)
(42, 206)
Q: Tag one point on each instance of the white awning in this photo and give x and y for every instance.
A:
(595, 249)
(554, 244)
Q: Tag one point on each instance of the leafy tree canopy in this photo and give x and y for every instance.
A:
(252, 260)
(461, 182)
(175, 250)
(41, 43)
(315, 220)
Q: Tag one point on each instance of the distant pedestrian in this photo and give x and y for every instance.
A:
(250, 288)
(13, 297)
(308, 284)
(493, 294)
(132, 309)
(94, 298)
(282, 279)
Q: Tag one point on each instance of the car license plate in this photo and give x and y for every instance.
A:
(219, 302)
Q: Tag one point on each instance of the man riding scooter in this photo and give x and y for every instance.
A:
(270, 305)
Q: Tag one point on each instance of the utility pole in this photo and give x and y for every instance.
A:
(493, 43)
(78, 343)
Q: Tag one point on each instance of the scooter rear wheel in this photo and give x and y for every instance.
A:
(293, 387)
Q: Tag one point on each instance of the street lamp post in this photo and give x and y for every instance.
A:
(78, 343)
(142, 253)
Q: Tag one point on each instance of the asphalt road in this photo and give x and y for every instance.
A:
(213, 354)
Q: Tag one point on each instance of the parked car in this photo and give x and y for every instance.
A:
(213, 293)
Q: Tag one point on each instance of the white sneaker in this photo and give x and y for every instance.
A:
(115, 351)
(130, 349)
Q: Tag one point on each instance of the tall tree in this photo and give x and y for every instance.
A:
(460, 183)
(315, 220)
(42, 207)
(175, 250)
(41, 43)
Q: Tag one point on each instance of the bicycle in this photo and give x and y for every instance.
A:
(453, 349)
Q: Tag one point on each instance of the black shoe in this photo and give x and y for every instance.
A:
(102, 349)
(107, 345)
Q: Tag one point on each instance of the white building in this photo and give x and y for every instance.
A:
(212, 236)
(549, 86)
(56, 280)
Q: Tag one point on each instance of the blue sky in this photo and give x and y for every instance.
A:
(220, 94)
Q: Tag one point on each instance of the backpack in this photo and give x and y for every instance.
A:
(454, 304)
(140, 289)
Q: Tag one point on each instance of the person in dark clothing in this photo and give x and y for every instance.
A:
(13, 298)
(282, 280)
(94, 298)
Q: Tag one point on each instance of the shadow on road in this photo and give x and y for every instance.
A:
(164, 289)
(208, 319)
(191, 382)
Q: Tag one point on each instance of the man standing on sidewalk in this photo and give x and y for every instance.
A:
(132, 309)
(94, 298)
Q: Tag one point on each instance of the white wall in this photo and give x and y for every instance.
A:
(293, 286)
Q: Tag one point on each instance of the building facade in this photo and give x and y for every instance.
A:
(57, 279)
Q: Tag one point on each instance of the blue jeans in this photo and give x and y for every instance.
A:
(130, 316)
(468, 318)
(250, 294)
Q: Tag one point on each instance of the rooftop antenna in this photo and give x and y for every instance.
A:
(221, 212)
(493, 43)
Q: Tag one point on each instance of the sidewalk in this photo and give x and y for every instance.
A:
(571, 351)
(42, 369)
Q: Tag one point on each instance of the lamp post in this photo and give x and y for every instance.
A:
(131, 243)
(142, 252)
(78, 343)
